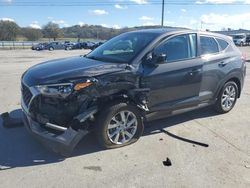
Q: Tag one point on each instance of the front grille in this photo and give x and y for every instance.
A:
(26, 95)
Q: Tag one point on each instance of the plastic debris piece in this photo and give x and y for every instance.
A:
(9, 122)
(167, 162)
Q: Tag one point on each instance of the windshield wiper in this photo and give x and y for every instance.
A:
(93, 57)
(105, 59)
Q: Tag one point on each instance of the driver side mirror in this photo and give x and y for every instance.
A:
(154, 59)
(160, 58)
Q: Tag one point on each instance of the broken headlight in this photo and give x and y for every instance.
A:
(62, 90)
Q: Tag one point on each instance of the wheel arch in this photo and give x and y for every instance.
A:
(238, 83)
(232, 78)
(116, 99)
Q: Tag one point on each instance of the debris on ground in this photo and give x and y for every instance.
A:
(10, 122)
(184, 139)
(161, 139)
(167, 162)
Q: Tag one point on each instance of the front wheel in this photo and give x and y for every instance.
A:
(227, 97)
(119, 125)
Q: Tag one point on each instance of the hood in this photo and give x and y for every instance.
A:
(61, 70)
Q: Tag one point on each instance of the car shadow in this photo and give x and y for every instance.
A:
(19, 149)
(154, 127)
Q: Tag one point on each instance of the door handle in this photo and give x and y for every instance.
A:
(194, 71)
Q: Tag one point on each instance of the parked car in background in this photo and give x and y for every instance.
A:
(240, 39)
(96, 45)
(69, 45)
(55, 46)
(130, 79)
(39, 46)
(87, 45)
(248, 40)
(74, 46)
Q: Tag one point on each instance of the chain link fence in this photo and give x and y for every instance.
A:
(12, 45)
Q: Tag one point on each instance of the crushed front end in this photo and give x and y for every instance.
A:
(61, 98)
(57, 115)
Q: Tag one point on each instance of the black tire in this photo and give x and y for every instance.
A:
(218, 107)
(104, 118)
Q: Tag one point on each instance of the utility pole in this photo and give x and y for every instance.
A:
(162, 13)
(201, 24)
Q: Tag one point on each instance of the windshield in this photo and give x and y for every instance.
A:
(123, 48)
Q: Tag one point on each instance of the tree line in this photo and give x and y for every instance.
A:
(9, 31)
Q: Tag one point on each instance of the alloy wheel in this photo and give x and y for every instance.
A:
(228, 97)
(122, 127)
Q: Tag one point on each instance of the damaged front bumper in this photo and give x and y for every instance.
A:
(63, 142)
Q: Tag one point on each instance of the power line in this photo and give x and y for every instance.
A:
(108, 3)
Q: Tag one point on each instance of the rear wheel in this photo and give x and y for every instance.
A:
(119, 125)
(227, 97)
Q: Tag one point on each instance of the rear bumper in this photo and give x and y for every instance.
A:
(62, 143)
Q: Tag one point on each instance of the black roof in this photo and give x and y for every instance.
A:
(161, 30)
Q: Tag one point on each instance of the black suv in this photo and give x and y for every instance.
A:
(127, 80)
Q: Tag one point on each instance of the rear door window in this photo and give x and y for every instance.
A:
(223, 44)
(208, 45)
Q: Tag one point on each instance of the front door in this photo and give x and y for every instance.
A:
(176, 82)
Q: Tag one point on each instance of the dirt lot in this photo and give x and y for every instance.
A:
(224, 163)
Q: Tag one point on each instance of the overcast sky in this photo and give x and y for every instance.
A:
(208, 14)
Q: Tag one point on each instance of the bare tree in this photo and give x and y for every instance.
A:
(32, 34)
(8, 30)
(52, 30)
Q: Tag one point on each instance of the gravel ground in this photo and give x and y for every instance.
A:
(224, 163)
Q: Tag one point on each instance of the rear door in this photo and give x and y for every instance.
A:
(175, 83)
(212, 51)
